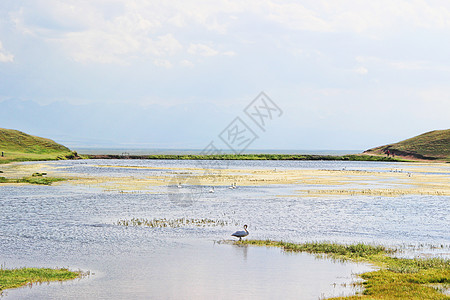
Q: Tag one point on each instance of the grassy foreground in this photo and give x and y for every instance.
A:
(397, 278)
(19, 146)
(14, 278)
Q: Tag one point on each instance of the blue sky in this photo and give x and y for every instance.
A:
(174, 74)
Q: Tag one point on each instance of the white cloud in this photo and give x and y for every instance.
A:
(109, 47)
(201, 49)
(295, 16)
(118, 31)
(205, 50)
(4, 55)
(93, 31)
(165, 45)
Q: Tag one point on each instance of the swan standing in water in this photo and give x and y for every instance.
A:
(241, 234)
(233, 186)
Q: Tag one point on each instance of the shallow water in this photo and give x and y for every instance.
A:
(202, 270)
(73, 225)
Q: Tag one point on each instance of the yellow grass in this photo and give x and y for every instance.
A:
(411, 179)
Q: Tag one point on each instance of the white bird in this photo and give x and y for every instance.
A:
(211, 190)
(242, 233)
(179, 185)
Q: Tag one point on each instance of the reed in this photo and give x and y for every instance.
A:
(173, 223)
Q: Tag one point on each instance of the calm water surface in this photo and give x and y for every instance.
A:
(73, 226)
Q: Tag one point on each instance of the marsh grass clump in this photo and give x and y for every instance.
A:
(14, 278)
(33, 179)
(408, 279)
(338, 251)
(173, 223)
(397, 278)
(40, 180)
(38, 174)
(410, 266)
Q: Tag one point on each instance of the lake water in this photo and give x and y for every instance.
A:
(71, 225)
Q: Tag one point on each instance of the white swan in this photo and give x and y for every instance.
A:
(241, 234)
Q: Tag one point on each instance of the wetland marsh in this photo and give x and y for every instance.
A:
(79, 223)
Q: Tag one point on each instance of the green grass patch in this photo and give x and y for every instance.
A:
(38, 174)
(350, 157)
(336, 251)
(14, 278)
(398, 278)
(21, 157)
(32, 180)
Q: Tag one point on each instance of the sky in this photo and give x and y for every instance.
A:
(177, 74)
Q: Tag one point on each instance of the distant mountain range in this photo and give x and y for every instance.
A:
(190, 125)
(116, 124)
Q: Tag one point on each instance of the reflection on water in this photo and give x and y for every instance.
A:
(243, 249)
(203, 271)
(73, 226)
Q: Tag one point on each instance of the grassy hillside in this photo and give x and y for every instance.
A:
(431, 145)
(19, 146)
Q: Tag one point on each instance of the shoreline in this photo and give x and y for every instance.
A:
(281, 157)
(19, 277)
(299, 157)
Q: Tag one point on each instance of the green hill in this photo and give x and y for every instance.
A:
(19, 146)
(431, 145)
